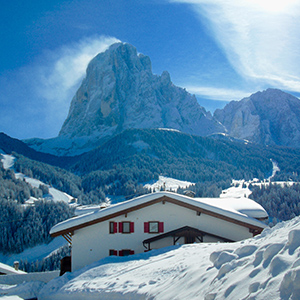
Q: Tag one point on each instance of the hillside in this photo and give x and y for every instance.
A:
(9, 145)
(135, 156)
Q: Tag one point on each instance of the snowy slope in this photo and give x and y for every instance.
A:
(54, 194)
(264, 267)
(7, 160)
(168, 184)
(36, 253)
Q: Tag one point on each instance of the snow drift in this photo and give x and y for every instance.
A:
(264, 267)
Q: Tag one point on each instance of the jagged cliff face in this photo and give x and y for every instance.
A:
(271, 117)
(120, 92)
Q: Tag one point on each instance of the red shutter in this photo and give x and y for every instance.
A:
(160, 226)
(146, 227)
(120, 227)
(113, 252)
(131, 252)
(115, 227)
(120, 252)
(131, 227)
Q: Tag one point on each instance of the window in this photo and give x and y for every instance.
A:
(113, 252)
(153, 227)
(126, 252)
(126, 227)
(113, 227)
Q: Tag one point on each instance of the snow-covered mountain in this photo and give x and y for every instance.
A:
(120, 92)
(271, 117)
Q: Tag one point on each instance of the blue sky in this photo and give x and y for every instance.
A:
(219, 50)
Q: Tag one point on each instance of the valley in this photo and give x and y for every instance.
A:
(129, 133)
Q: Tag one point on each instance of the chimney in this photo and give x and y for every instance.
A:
(189, 193)
(16, 265)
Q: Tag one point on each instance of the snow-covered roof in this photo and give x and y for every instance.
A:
(8, 270)
(264, 267)
(243, 211)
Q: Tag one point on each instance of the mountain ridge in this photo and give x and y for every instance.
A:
(121, 92)
(270, 117)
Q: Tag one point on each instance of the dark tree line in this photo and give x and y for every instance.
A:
(23, 227)
(50, 263)
(282, 202)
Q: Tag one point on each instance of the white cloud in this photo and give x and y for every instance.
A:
(58, 74)
(65, 67)
(39, 95)
(218, 94)
(259, 37)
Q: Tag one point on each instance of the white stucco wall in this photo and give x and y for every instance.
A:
(93, 242)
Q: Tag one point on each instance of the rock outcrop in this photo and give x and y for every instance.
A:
(271, 117)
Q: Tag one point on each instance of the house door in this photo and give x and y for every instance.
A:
(189, 239)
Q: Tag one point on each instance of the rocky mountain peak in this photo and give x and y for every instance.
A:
(120, 92)
(165, 78)
(270, 117)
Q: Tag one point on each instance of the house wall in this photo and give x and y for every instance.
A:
(93, 242)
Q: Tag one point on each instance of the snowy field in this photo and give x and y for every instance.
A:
(266, 267)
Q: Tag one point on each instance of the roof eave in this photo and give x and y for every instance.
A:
(161, 198)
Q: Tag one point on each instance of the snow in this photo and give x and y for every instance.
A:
(242, 205)
(204, 203)
(274, 170)
(7, 161)
(54, 194)
(264, 267)
(169, 129)
(168, 184)
(82, 210)
(12, 280)
(9, 270)
(35, 253)
(26, 290)
(11, 298)
(237, 190)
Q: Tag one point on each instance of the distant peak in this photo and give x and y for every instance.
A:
(272, 91)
